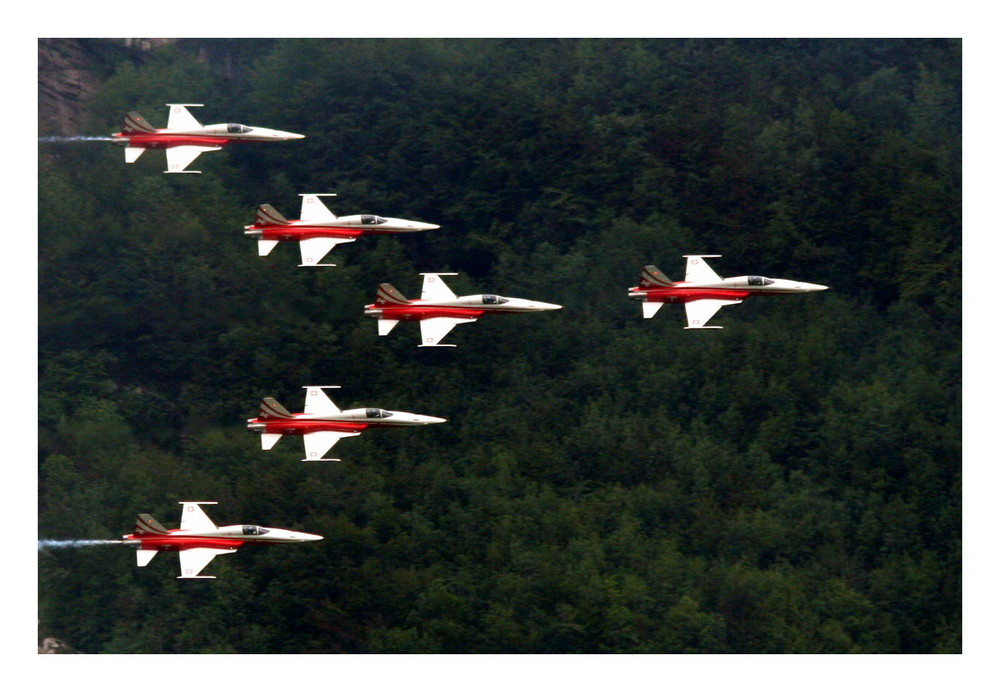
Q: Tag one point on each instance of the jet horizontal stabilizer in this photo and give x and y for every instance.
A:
(133, 153)
(386, 326)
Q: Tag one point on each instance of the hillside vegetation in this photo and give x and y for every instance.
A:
(605, 483)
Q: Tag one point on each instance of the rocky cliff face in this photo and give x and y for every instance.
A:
(51, 645)
(66, 79)
(69, 73)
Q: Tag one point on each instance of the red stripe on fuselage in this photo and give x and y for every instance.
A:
(185, 542)
(296, 233)
(424, 313)
(158, 141)
(297, 426)
(686, 295)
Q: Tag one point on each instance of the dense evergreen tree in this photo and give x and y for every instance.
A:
(604, 483)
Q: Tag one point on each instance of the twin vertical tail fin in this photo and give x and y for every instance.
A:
(388, 295)
(269, 216)
(135, 123)
(269, 408)
(653, 277)
(147, 525)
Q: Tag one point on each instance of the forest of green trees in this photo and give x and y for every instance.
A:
(604, 483)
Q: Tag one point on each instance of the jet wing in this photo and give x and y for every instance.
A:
(698, 271)
(319, 443)
(314, 249)
(700, 311)
(194, 560)
(178, 158)
(180, 118)
(435, 290)
(433, 329)
(314, 210)
(317, 402)
(193, 517)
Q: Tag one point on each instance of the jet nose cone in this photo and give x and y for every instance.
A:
(298, 536)
(428, 420)
(539, 305)
(408, 225)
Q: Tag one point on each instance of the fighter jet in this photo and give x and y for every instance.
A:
(319, 230)
(199, 540)
(184, 138)
(703, 291)
(438, 310)
(323, 424)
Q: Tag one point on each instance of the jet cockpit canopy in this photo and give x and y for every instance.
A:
(372, 220)
(759, 281)
(490, 299)
(250, 530)
(377, 413)
(236, 128)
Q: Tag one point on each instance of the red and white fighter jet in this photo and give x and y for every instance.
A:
(439, 310)
(703, 291)
(184, 138)
(318, 231)
(322, 424)
(198, 541)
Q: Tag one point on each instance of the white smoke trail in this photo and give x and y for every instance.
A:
(44, 543)
(78, 138)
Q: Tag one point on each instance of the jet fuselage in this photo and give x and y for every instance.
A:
(351, 420)
(198, 540)
(209, 136)
(222, 537)
(732, 288)
(343, 227)
(465, 307)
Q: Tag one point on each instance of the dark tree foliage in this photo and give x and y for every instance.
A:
(604, 483)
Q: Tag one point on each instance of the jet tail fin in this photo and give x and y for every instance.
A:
(652, 277)
(269, 216)
(388, 295)
(136, 123)
(147, 525)
(270, 408)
